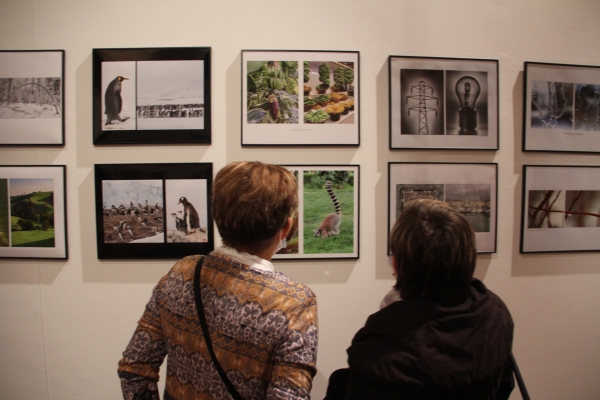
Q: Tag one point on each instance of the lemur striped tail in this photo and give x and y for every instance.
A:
(336, 203)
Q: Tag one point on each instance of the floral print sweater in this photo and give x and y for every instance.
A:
(263, 328)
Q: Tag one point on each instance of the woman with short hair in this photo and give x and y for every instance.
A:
(449, 337)
(263, 326)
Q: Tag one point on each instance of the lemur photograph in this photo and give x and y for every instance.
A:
(325, 225)
(186, 210)
(329, 218)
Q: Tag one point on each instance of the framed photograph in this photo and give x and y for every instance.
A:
(33, 212)
(152, 95)
(32, 97)
(443, 103)
(471, 188)
(326, 222)
(153, 210)
(561, 108)
(561, 209)
(300, 98)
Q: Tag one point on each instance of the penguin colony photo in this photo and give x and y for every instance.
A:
(113, 101)
(126, 224)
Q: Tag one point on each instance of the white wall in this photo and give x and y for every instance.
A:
(63, 325)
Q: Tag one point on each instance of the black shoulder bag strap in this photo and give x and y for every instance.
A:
(198, 296)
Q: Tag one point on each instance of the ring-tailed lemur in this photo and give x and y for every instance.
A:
(331, 223)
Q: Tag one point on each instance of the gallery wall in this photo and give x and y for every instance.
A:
(64, 324)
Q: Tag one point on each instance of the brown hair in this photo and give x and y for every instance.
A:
(251, 202)
(435, 252)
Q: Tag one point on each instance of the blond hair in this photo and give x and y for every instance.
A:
(251, 202)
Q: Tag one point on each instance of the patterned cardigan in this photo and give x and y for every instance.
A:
(263, 327)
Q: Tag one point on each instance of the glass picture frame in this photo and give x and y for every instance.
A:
(153, 211)
(300, 98)
(470, 188)
(152, 95)
(33, 212)
(561, 108)
(443, 103)
(32, 90)
(560, 209)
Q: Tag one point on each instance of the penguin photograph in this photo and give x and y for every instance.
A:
(170, 94)
(186, 201)
(118, 89)
(134, 224)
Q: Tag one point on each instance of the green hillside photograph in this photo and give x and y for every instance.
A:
(32, 212)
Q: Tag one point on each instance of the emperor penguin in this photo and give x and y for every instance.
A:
(190, 215)
(113, 101)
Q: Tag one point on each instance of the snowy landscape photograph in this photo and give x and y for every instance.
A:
(170, 94)
(32, 97)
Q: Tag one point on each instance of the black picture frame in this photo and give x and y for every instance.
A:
(560, 108)
(168, 100)
(33, 212)
(315, 204)
(471, 188)
(461, 94)
(148, 227)
(560, 209)
(35, 82)
(273, 107)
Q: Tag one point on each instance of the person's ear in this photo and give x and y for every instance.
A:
(286, 228)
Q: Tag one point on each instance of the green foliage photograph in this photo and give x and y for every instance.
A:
(272, 92)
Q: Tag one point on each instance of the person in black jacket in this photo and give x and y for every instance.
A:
(449, 337)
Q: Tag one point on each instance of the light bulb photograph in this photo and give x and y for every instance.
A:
(466, 103)
(443, 103)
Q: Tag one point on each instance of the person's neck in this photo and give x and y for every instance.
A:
(265, 254)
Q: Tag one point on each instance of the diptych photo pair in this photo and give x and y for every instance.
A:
(152, 95)
(470, 188)
(153, 210)
(443, 103)
(300, 98)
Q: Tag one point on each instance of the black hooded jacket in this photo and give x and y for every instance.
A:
(422, 349)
